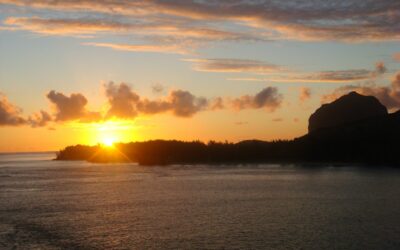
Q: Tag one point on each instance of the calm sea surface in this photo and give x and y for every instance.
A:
(78, 205)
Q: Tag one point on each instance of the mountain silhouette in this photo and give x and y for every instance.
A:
(374, 140)
(352, 129)
(348, 108)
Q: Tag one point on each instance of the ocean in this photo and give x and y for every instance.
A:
(47, 204)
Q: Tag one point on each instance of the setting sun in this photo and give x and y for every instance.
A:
(110, 132)
(108, 142)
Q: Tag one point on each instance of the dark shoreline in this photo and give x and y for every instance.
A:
(299, 151)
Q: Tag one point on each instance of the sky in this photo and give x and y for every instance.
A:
(89, 72)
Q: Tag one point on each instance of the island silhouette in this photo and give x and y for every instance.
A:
(352, 129)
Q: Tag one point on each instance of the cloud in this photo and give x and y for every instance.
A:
(180, 103)
(185, 104)
(348, 21)
(388, 95)
(64, 27)
(10, 115)
(234, 65)
(81, 5)
(268, 98)
(40, 119)
(126, 104)
(165, 36)
(305, 94)
(71, 108)
(168, 49)
(122, 100)
(157, 88)
(217, 103)
(332, 76)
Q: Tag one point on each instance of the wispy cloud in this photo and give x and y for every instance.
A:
(332, 76)
(168, 49)
(349, 21)
(234, 65)
(64, 27)
(153, 28)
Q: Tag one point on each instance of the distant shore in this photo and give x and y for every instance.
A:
(160, 152)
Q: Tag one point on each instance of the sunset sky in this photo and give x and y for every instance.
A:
(90, 71)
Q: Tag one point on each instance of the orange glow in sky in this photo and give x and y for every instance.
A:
(115, 74)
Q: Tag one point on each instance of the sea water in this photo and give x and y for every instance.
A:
(47, 204)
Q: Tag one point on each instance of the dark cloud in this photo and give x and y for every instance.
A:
(185, 104)
(151, 107)
(157, 88)
(180, 103)
(268, 98)
(388, 95)
(150, 27)
(158, 34)
(65, 27)
(71, 108)
(338, 76)
(125, 103)
(353, 20)
(331, 76)
(122, 100)
(345, 75)
(10, 115)
(40, 119)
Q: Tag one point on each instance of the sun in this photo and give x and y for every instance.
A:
(110, 133)
(108, 142)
